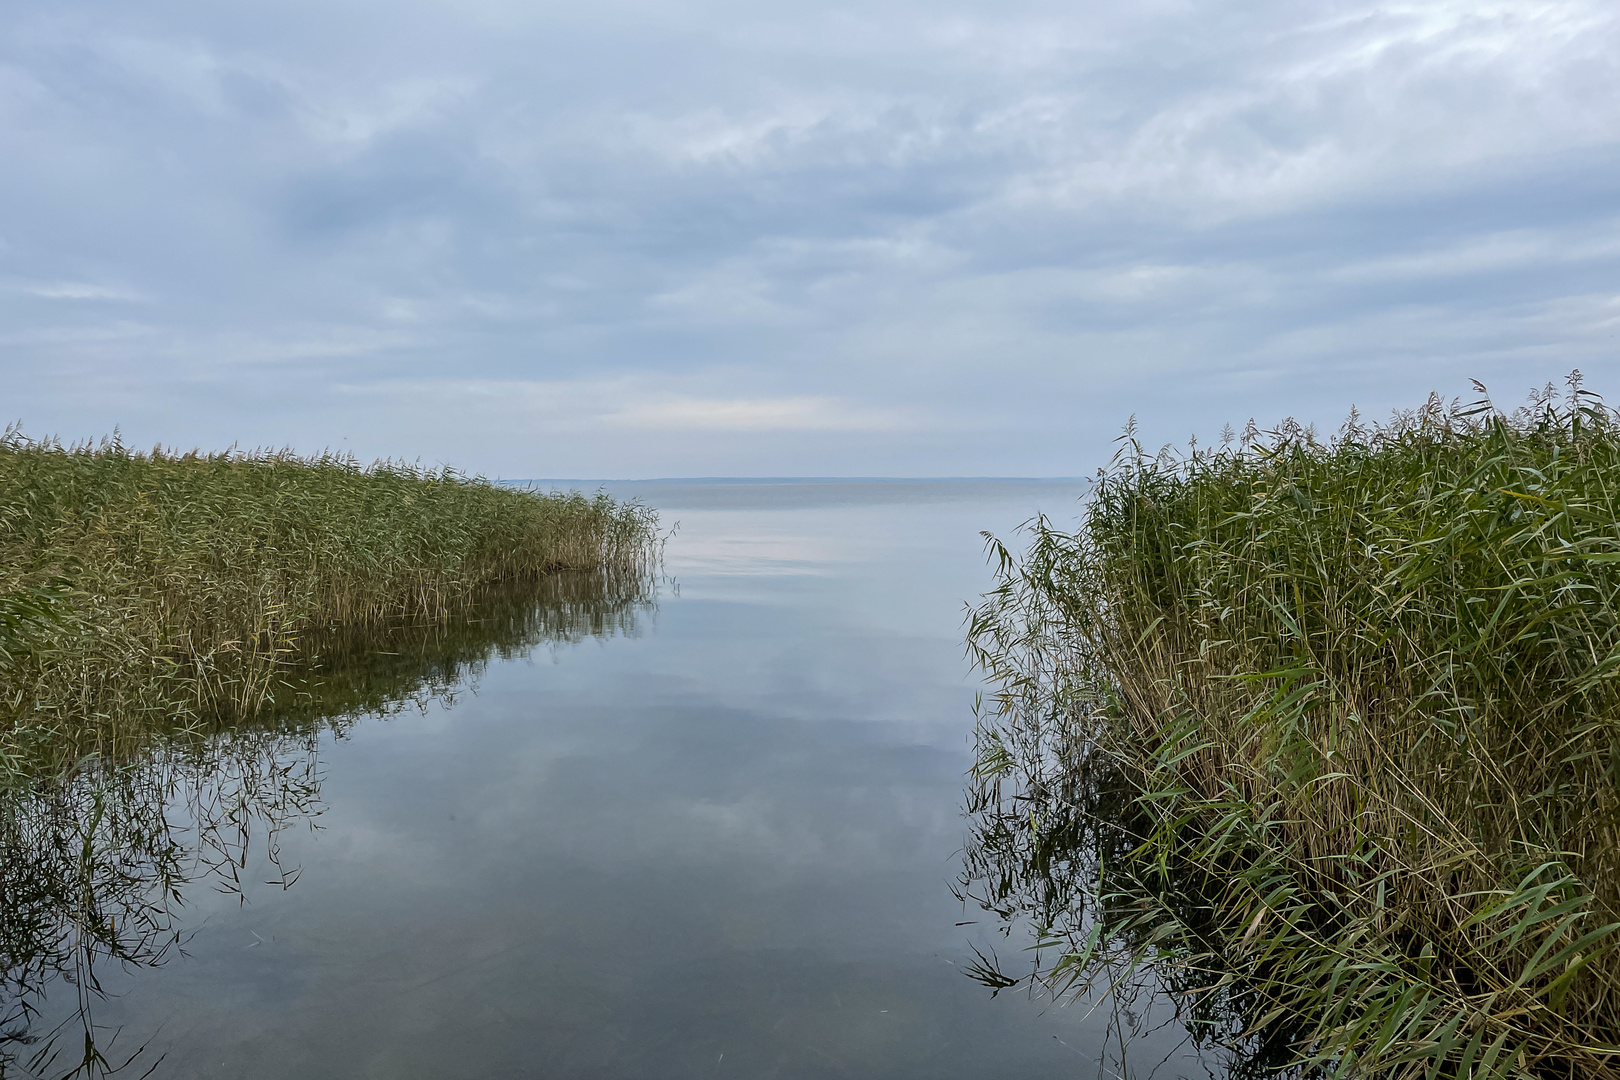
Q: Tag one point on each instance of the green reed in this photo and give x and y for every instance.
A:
(97, 862)
(1362, 695)
(159, 585)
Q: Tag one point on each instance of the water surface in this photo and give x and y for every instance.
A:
(707, 833)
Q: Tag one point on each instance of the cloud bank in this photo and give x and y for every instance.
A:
(631, 239)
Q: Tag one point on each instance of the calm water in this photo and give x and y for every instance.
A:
(710, 833)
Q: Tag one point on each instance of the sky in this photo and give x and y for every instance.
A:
(906, 238)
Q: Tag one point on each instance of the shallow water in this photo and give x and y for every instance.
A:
(715, 838)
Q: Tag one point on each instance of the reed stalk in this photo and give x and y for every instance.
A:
(161, 585)
(1357, 702)
(97, 862)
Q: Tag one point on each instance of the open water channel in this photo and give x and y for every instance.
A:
(708, 831)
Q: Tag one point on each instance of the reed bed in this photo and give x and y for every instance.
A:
(1355, 702)
(161, 585)
(97, 861)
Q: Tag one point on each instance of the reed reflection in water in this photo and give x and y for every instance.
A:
(97, 861)
(720, 846)
(1053, 822)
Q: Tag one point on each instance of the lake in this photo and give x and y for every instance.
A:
(707, 830)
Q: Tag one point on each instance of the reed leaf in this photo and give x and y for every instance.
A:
(1345, 711)
(137, 588)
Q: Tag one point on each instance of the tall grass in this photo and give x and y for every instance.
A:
(160, 584)
(97, 862)
(1362, 695)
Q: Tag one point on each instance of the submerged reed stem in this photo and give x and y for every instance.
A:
(161, 585)
(1327, 733)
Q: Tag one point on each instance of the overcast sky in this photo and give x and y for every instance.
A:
(630, 239)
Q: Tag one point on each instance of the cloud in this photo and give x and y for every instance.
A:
(628, 404)
(355, 119)
(1507, 251)
(963, 238)
(762, 414)
(80, 290)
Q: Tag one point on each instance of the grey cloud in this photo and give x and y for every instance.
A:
(1010, 225)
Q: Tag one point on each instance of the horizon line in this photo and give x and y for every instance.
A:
(775, 479)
